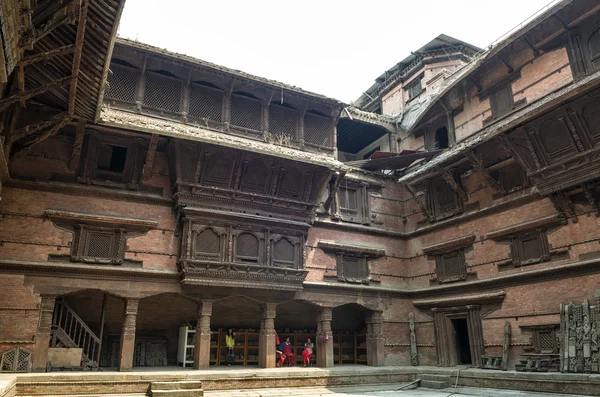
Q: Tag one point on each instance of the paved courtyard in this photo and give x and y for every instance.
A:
(375, 391)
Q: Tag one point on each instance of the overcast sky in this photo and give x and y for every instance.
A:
(332, 47)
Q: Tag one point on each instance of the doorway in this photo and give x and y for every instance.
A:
(461, 340)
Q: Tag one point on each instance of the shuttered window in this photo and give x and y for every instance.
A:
(529, 248)
(352, 268)
(451, 266)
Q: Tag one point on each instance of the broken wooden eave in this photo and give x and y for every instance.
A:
(503, 125)
(362, 116)
(125, 120)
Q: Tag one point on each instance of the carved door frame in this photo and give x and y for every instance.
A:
(444, 335)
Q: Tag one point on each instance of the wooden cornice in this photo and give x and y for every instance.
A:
(474, 299)
(456, 243)
(202, 212)
(332, 246)
(545, 221)
(97, 219)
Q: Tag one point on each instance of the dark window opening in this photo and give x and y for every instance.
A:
(112, 158)
(510, 177)
(441, 138)
(353, 269)
(415, 88)
(461, 339)
(530, 248)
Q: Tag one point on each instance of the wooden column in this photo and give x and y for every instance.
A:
(475, 334)
(128, 335)
(266, 343)
(202, 342)
(42, 340)
(441, 338)
(375, 339)
(324, 349)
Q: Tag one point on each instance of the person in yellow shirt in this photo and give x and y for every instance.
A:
(230, 342)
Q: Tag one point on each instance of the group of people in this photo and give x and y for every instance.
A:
(286, 352)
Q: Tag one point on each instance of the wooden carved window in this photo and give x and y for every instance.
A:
(415, 88)
(544, 340)
(510, 177)
(207, 245)
(163, 91)
(451, 266)
(122, 83)
(206, 101)
(246, 111)
(247, 248)
(530, 248)
(284, 253)
(353, 202)
(98, 245)
(501, 100)
(351, 268)
(443, 200)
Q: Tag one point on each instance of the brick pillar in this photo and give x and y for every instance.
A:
(266, 343)
(325, 357)
(375, 340)
(128, 335)
(202, 341)
(42, 339)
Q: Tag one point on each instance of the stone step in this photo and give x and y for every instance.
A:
(177, 393)
(436, 377)
(433, 384)
(176, 385)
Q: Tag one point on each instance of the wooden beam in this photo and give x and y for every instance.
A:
(61, 16)
(506, 143)
(334, 189)
(27, 12)
(481, 169)
(46, 55)
(450, 181)
(424, 211)
(34, 141)
(30, 129)
(77, 54)
(147, 171)
(24, 96)
(77, 145)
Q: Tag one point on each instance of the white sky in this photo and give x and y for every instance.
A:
(332, 47)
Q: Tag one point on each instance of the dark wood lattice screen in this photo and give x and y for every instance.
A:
(594, 44)
(163, 92)
(16, 360)
(122, 83)
(100, 245)
(451, 266)
(206, 102)
(246, 112)
(247, 247)
(317, 130)
(208, 243)
(529, 248)
(283, 120)
(283, 253)
(532, 248)
(291, 183)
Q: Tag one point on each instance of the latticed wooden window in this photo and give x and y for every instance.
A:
(98, 245)
(451, 266)
(544, 340)
(246, 111)
(206, 102)
(122, 83)
(284, 253)
(283, 120)
(16, 360)
(530, 248)
(163, 92)
(510, 177)
(317, 130)
(208, 244)
(247, 248)
(443, 199)
(352, 268)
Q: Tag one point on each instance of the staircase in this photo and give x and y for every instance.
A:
(435, 381)
(70, 330)
(185, 388)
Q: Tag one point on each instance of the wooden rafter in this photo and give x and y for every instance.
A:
(77, 144)
(24, 96)
(147, 170)
(481, 169)
(61, 16)
(77, 54)
(38, 139)
(422, 207)
(450, 181)
(506, 143)
(46, 55)
(32, 128)
(334, 189)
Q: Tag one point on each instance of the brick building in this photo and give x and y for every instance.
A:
(453, 207)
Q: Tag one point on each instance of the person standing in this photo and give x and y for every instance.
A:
(230, 342)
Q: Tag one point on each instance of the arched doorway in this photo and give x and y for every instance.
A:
(349, 326)
(297, 320)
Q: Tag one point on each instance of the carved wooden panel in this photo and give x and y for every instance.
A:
(98, 245)
(352, 268)
(528, 248)
(16, 360)
(257, 174)
(217, 167)
(284, 253)
(579, 337)
(247, 248)
(292, 181)
(207, 244)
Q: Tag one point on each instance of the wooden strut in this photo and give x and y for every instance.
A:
(77, 55)
(77, 144)
(30, 129)
(590, 198)
(147, 170)
(505, 142)
(450, 181)
(4, 103)
(60, 17)
(424, 211)
(334, 190)
(481, 169)
(44, 136)
(563, 205)
(44, 56)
